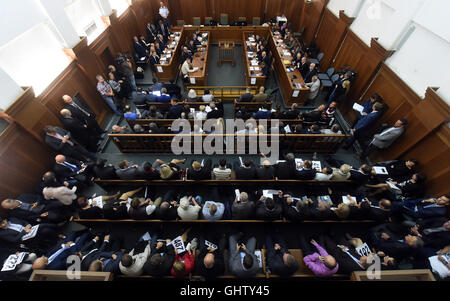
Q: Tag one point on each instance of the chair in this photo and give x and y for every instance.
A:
(180, 22)
(330, 83)
(196, 21)
(256, 21)
(224, 19)
(208, 21)
(300, 33)
(326, 76)
(242, 19)
(318, 60)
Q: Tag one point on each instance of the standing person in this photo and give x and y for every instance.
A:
(126, 68)
(386, 138)
(154, 60)
(164, 13)
(60, 140)
(107, 93)
(83, 113)
(79, 130)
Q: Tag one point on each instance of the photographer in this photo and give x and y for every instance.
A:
(126, 68)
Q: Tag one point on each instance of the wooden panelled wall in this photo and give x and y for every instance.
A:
(427, 137)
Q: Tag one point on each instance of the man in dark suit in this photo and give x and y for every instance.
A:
(307, 173)
(83, 113)
(286, 170)
(13, 229)
(242, 262)
(150, 33)
(216, 112)
(246, 97)
(291, 113)
(161, 260)
(162, 43)
(303, 67)
(393, 239)
(362, 175)
(315, 115)
(127, 171)
(310, 73)
(265, 171)
(70, 170)
(382, 212)
(210, 262)
(175, 110)
(153, 61)
(268, 209)
(242, 207)
(427, 208)
(247, 171)
(344, 253)
(105, 259)
(60, 140)
(279, 259)
(56, 257)
(266, 61)
(364, 124)
(79, 130)
(102, 171)
(186, 54)
(168, 208)
(163, 30)
(139, 50)
(172, 88)
(198, 171)
(435, 232)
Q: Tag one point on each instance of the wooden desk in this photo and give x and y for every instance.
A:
(226, 52)
(200, 60)
(167, 69)
(228, 33)
(252, 77)
(292, 93)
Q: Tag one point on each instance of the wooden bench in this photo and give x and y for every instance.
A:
(52, 275)
(226, 93)
(165, 106)
(202, 221)
(250, 106)
(401, 275)
(297, 143)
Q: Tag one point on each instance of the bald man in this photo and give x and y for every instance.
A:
(56, 257)
(320, 263)
(83, 113)
(79, 130)
(71, 170)
(210, 260)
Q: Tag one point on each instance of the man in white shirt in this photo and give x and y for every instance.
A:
(325, 175)
(187, 68)
(164, 13)
(133, 264)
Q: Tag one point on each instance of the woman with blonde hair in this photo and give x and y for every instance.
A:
(340, 90)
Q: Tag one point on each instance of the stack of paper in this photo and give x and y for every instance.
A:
(269, 193)
(317, 165)
(358, 107)
(380, 170)
(345, 200)
(298, 164)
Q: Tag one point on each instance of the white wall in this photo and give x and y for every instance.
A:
(422, 58)
(16, 17)
(10, 90)
(350, 7)
(82, 13)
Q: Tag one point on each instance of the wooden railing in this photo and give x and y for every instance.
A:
(225, 93)
(157, 143)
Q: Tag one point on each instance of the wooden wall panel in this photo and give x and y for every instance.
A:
(292, 9)
(313, 14)
(238, 8)
(23, 160)
(330, 36)
(187, 9)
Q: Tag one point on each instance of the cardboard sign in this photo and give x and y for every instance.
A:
(12, 261)
(31, 234)
(178, 244)
(210, 244)
(363, 250)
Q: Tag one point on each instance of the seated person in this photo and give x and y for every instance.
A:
(400, 170)
(292, 113)
(141, 208)
(246, 97)
(242, 208)
(325, 175)
(184, 262)
(167, 210)
(198, 171)
(334, 130)
(279, 259)
(132, 264)
(72, 171)
(103, 172)
(175, 110)
(188, 211)
(342, 173)
(313, 129)
(242, 262)
(192, 96)
(247, 171)
(222, 172)
(13, 230)
(266, 171)
(315, 115)
(286, 170)
(127, 171)
(411, 189)
(207, 97)
(154, 113)
(213, 211)
(261, 96)
(263, 113)
(426, 208)
(306, 173)
(362, 175)
(320, 263)
(164, 98)
(161, 259)
(128, 115)
(211, 263)
(116, 129)
(268, 209)
(147, 172)
(169, 171)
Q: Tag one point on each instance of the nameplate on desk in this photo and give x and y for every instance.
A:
(192, 80)
(253, 81)
(160, 69)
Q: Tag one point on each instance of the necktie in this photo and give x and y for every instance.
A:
(71, 166)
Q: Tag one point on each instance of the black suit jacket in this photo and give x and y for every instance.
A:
(265, 173)
(175, 111)
(76, 128)
(244, 210)
(11, 235)
(309, 75)
(243, 173)
(150, 35)
(247, 97)
(56, 144)
(265, 214)
(285, 170)
(219, 265)
(305, 174)
(77, 113)
(214, 114)
(64, 172)
(203, 174)
(346, 264)
(164, 268)
(105, 173)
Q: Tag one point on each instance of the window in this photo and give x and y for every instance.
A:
(35, 58)
(120, 5)
(85, 16)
